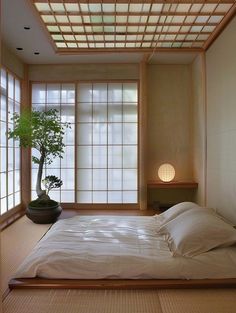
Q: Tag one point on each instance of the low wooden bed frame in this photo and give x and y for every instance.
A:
(40, 283)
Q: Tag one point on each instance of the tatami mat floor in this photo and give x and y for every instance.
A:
(19, 239)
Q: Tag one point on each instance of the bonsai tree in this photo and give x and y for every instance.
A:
(44, 132)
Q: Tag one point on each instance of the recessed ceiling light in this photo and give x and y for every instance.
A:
(19, 48)
(26, 27)
(36, 53)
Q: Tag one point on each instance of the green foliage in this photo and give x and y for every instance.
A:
(40, 130)
(50, 182)
(44, 132)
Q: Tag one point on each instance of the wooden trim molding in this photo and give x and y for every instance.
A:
(40, 283)
(11, 216)
(158, 184)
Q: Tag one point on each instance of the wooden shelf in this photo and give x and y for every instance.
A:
(173, 184)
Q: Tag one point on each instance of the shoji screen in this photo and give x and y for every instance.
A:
(62, 98)
(10, 191)
(107, 142)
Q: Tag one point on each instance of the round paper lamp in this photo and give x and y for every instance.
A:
(166, 172)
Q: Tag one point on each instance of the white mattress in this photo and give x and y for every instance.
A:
(114, 247)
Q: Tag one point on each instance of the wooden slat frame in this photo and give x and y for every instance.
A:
(40, 283)
(169, 11)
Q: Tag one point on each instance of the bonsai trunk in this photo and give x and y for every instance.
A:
(41, 193)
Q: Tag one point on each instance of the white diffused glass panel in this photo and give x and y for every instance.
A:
(3, 79)
(84, 197)
(114, 197)
(99, 133)
(100, 112)
(67, 196)
(3, 158)
(84, 179)
(84, 112)
(130, 197)
(53, 93)
(56, 163)
(130, 179)
(10, 159)
(10, 202)
(114, 156)
(68, 93)
(84, 156)
(115, 179)
(99, 197)
(10, 177)
(17, 90)
(130, 112)
(3, 205)
(130, 157)
(3, 108)
(10, 86)
(115, 111)
(115, 92)
(17, 198)
(99, 92)
(99, 156)
(84, 134)
(3, 134)
(67, 176)
(3, 185)
(17, 158)
(34, 173)
(130, 133)
(85, 92)
(68, 157)
(99, 179)
(130, 93)
(17, 181)
(55, 195)
(115, 133)
(69, 136)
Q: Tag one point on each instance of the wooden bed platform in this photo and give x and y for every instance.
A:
(40, 283)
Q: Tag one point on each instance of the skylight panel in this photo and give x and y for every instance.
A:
(148, 37)
(72, 7)
(99, 45)
(133, 19)
(78, 29)
(122, 7)
(131, 44)
(86, 19)
(121, 37)
(196, 7)
(120, 45)
(109, 45)
(150, 29)
(135, 7)
(191, 37)
(208, 29)
(146, 7)
(131, 37)
(75, 19)
(209, 7)
(203, 37)
(72, 45)
(153, 19)
(57, 37)
(84, 7)
(80, 37)
(185, 29)
(215, 19)
(82, 45)
(186, 44)
(202, 19)
(146, 44)
(111, 37)
(109, 19)
(121, 19)
(95, 7)
(61, 45)
(178, 19)
(196, 29)
(62, 19)
(69, 37)
(223, 7)
(48, 18)
(174, 29)
(177, 44)
(66, 29)
(53, 28)
(190, 19)
(109, 29)
(180, 37)
(157, 7)
(170, 37)
(88, 29)
(57, 7)
(166, 44)
(42, 7)
(183, 7)
(108, 7)
(143, 19)
(121, 29)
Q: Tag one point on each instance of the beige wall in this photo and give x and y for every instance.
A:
(221, 123)
(12, 62)
(169, 137)
(169, 119)
(199, 127)
(83, 72)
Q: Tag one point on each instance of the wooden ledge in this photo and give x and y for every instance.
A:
(174, 184)
(40, 283)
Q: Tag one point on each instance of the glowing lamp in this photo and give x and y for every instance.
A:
(166, 172)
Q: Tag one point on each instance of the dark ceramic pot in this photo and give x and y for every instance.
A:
(44, 214)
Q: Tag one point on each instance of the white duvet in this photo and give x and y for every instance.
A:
(114, 247)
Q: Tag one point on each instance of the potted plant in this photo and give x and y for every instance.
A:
(43, 131)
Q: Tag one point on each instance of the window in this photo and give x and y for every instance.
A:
(107, 143)
(10, 190)
(62, 98)
(104, 166)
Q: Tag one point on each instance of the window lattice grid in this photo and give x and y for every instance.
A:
(107, 143)
(62, 98)
(10, 190)
(132, 25)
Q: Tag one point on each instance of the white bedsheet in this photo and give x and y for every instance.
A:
(114, 247)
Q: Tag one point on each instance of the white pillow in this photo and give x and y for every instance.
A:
(175, 211)
(197, 231)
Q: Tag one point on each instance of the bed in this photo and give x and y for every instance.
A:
(134, 252)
